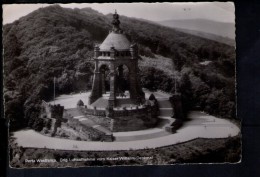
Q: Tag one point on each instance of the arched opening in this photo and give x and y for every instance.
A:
(122, 81)
(105, 80)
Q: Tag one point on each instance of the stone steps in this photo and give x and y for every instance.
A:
(76, 114)
(102, 129)
(100, 103)
(164, 104)
(166, 112)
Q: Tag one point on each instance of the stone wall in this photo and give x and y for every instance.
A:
(93, 134)
(57, 111)
(53, 113)
(129, 112)
(125, 119)
(45, 110)
(93, 112)
(151, 110)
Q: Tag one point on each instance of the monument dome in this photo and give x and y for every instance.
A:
(116, 40)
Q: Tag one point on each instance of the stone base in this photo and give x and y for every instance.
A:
(120, 103)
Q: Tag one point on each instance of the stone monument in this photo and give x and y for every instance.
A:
(115, 52)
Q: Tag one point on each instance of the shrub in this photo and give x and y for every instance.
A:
(45, 130)
(48, 124)
(38, 124)
(80, 103)
(152, 97)
(64, 135)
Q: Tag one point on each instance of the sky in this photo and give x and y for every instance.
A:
(217, 11)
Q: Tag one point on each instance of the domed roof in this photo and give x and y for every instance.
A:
(116, 40)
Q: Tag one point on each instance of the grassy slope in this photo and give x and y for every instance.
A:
(195, 151)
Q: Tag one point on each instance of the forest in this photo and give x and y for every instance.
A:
(59, 42)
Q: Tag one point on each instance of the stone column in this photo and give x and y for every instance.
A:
(133, 51)
(132, 73)
(96, 51)
(137, 92)
(112, 96)
(112, 53)
(103, 82)
(120, 78)
(96, 86)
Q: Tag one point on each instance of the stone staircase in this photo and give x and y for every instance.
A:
(165, 108)
(164, 103)
(76, 114)
(100, 103)
(166, 111)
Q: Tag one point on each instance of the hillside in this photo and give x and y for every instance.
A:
(222, 29)
(58, 42)
(209, 36)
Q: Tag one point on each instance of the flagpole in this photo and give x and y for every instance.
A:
(54, 90)
(175, 87)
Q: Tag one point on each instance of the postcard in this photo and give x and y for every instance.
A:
(118, 84)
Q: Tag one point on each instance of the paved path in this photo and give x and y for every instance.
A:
(200, 125)
(70, 101)
(211, 127)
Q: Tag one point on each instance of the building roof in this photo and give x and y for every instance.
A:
(116, 40)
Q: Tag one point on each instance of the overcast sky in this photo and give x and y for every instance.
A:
(218, 11)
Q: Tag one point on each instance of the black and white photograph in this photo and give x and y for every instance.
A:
(120, 84)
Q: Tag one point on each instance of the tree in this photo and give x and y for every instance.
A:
(186, 92)
(152, 97)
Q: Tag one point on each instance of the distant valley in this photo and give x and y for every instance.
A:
(213, 30)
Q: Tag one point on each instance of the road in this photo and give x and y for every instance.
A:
(201, 125)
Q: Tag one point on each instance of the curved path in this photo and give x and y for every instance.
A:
(165, 120)
(201, 125)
